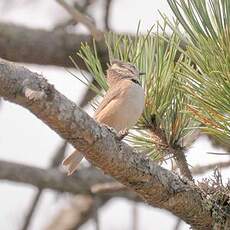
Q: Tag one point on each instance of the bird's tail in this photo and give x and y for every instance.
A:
(72, 161)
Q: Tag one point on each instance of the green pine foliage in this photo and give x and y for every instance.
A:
(207, 24)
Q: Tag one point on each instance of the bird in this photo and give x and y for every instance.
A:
(121, 106)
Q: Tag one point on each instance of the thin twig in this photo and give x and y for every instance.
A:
(178, 224)
(97, 204)
(204, 168)
(107, 14)
(58, 156)
(71, 21)
(74, 215)
(31, 210)
(135, 216)
(80, 17)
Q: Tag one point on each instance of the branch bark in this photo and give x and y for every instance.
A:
(156, 185)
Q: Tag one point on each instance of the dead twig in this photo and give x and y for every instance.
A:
(58, 156)
(197, 170)
(71, 21)
(107, 14)
(82, 18)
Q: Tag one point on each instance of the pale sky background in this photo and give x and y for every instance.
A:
(25, 139)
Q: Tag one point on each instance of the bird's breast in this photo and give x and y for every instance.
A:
(131, 105)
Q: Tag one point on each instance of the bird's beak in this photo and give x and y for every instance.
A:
(142, 73)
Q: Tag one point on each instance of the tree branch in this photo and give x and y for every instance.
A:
(80, 183)
(71, 21)
(156, 185)
(74, 215)
(201, 169)
(56, 160)
(80, 17)
(51, 178)
(182, 164)
(108, 4)
(21, 44)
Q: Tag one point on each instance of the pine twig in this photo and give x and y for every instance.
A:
(182, 164)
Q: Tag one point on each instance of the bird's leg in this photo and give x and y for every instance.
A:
(123, 133)
(111, 129)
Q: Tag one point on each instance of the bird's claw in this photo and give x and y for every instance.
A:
(122, 134)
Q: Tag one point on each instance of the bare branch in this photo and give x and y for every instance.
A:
(201, 169)
(21, 44)
(135, 216)
(108, 4)
(31, 210)
(156, 185)
(80, 17)
(80, 209)
(71, 21)
(178, 224)
(50, 178)
(80, 183)
(57, 158)
(74, 215)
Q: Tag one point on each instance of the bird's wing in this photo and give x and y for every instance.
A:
(112, 94)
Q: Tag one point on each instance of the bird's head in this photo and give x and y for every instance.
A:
(120, 70)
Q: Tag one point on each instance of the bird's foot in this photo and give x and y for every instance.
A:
(111, 129)
(122, 134)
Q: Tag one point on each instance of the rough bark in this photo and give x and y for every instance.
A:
(156, 185)
(21, 44)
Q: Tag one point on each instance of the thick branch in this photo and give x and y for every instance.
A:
(158, 186)
(21, 44)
